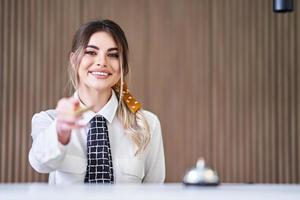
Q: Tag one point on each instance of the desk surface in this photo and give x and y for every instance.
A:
(153, 192)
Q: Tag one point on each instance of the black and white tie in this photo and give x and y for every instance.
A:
(99, 160)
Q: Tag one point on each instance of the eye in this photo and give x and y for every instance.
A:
(113, 55)
(91, 53)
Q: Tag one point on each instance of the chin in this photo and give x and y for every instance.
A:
(101, 87)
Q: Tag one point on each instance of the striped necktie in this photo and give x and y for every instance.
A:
(99, 160)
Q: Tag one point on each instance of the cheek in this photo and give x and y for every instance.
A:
(84, 63)
(117, 68)
(80, 70)
(118, 71)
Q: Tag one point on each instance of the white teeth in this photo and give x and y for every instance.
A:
(100, 73)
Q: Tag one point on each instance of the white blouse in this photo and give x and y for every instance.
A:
(67, 163)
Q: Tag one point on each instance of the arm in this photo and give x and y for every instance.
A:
(46, 151)
(51, 135)
(155, 159)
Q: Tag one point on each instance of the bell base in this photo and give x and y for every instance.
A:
(201, 184)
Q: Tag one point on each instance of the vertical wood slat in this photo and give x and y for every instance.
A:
(214, 120)
(31, 79)
(24, 92)
(258, 67)
(245, 72)
(252, 85)
(1, 71)
(11, 85)
(272, 117)
(226, 69)
(3, 58)
(297, 62)
(292, 103)
(37, 44)
(267, 71)
(17, 73)
(297, 74)
(240, 99)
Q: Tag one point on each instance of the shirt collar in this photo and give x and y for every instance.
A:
(108, 111)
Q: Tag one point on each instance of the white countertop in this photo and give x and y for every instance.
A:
(34, 191)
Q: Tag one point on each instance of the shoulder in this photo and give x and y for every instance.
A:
(42, 120)
(151, 118)
(47, 115)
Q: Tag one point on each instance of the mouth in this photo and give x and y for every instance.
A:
(100, 74)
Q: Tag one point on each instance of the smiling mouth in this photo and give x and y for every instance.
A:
(101, 73)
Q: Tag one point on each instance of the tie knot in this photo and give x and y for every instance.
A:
(98, 121)
(98, 118)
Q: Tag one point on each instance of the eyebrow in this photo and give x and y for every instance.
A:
(95, 47)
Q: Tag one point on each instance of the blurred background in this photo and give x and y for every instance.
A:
(222, 75)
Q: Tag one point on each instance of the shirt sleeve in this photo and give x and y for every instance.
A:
(46, 152)
(155, 159)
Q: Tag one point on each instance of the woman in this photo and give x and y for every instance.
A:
(114, 141)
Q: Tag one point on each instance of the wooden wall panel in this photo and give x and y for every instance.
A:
(34, 50)
(178, 78)
(222, 75)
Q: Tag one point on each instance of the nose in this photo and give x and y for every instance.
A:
(101, 60)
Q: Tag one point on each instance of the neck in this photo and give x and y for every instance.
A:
(95, 98)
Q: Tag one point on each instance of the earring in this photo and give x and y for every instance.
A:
(129, 100)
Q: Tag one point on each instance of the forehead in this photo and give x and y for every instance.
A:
(102, 40)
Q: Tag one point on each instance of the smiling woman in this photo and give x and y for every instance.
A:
(100, 134)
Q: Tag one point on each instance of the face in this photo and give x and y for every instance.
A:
(100, 66)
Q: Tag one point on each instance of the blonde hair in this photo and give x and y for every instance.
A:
(135, 124)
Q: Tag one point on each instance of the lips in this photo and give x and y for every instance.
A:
(100, 73)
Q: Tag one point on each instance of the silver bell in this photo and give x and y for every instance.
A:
(201, 175)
